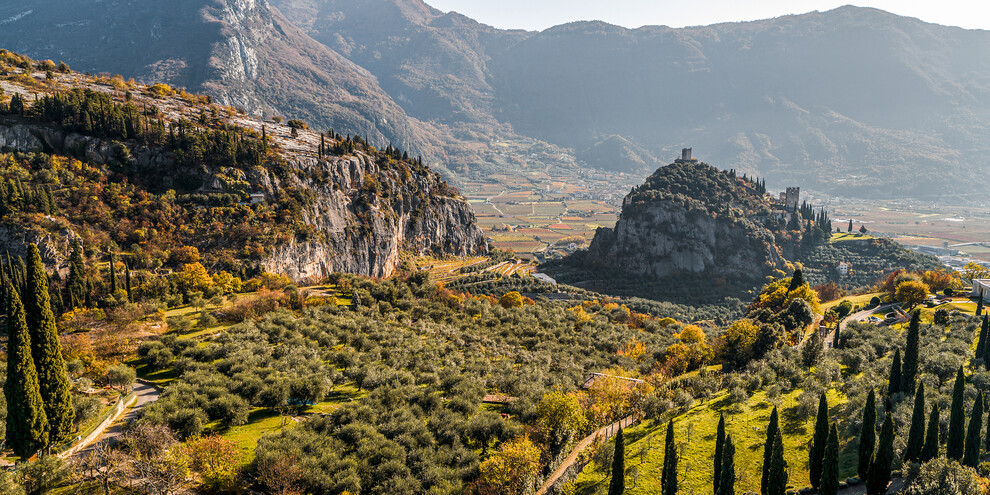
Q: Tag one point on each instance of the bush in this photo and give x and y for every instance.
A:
(159, 357)
(875, 301)
(188, 422)
(86, 408)
(944, 477)
(44, 475)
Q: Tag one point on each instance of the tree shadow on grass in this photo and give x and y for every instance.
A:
(793, 423)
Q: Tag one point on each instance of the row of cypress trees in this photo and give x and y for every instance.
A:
(39, 407)
(668, 477)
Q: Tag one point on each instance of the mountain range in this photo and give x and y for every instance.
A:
(853, 101)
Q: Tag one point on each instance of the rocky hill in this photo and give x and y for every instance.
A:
(688, 218)
(161, 171)
(694, 234)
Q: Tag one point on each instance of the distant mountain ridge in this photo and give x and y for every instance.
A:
(853, 101)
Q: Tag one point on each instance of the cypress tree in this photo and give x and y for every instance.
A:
(957, 417)
(668, 481)
(727, 481)
(797, 280)
(979, 305)
(894, 380)
(777, 473)
(773, 428)
(719, 440)
(987, 435)
(879, 476)
(127, 281)
(27, 425)
(818, 441)
(909, 367)
(971, 456)
(981, 344)
(930, 450)
(113, 275)
(618, 483)
(835, 338)
(916, 436)
(868, 437)
(986, 348)
(830, 464)
(47, 350)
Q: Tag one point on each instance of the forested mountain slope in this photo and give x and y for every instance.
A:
(172, 176)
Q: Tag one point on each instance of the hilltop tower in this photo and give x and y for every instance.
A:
(792, 197)
(686, 157)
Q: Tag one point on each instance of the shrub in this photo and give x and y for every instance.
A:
(159, 357)
(86, 408)
(217, 461)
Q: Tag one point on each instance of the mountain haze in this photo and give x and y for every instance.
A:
(841, 101)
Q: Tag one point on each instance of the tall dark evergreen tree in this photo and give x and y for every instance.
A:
(971, 456)
(868, 437)
(719, 441)
(957, 420)
(879, 476)
(113, 275)
(797, 280)
(818, 440)
(27, 425)
(894, 380)
(835, 337)
(986, 348)
(979, 305)
(909, 366)
(830, 464)
(127, 281)
(618, 484)
(47, 350)
(668, 480)
(850, 229)
(75, 283)
(777, 472)
(981, 344)
(916, 436)
(930, 450)
(773, 428)
(727, 481)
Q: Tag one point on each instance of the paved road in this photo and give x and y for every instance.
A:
(146, 394)
(858, 316)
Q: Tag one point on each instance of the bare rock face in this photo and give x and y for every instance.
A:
(364, 209)
(665, 237)
(367, 214)
(688, 218)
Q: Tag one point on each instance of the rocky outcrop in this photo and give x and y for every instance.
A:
(365, 210)
(688, 218)
(665, 237)
(364, 232)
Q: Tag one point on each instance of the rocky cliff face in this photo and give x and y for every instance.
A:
(687, 219)
(364, 230)
(365, 210)
(664, 238)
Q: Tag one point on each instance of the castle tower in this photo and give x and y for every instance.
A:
(686, 156)
(792, 197)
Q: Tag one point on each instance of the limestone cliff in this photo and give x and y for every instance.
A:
(688, 218)
(362, 208)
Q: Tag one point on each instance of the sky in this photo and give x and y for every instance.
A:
(541, 14)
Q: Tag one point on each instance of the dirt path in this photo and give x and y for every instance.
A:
(606, 432)
(145, 393)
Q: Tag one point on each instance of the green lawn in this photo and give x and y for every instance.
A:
(695, 435)
(856, 300)
(262, 420)
(849, 236)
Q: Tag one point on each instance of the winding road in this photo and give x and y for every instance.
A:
(858, 316)
(146, 393)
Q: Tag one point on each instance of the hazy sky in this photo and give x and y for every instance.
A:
(541, 14)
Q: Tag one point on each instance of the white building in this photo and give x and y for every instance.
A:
(981, 288)
(843, 268)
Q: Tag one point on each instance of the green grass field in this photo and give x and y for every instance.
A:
(857, 300)
(849, 236)
(694, 432)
